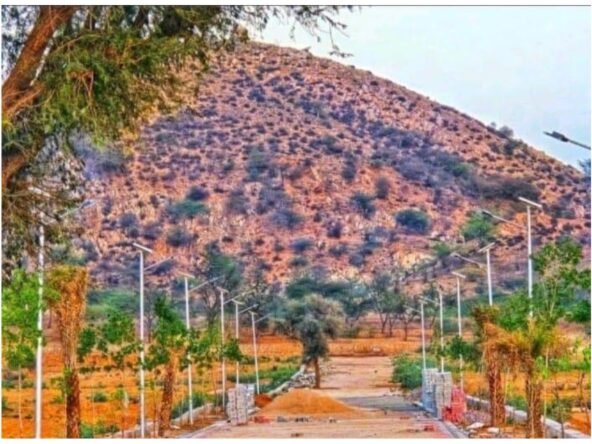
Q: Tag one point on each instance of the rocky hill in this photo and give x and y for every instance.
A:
(294, 161)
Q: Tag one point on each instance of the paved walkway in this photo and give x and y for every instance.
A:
(362, 382)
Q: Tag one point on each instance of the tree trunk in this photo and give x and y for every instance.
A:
(166, 406)
(72, 403)
(317, 370)
(496, 393)
(16, 90)
(20, 403)
(405, 330)
(534, 427)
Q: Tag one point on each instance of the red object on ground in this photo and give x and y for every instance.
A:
(455, 412)
(261, 419)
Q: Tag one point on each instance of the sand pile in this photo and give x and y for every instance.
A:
(307, 402)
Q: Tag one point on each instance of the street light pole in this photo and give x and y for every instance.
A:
(529, 204)
(487, 250)
(459, 315)
(223, 366)
(441, 331)
(255, 350)
(189, 366)
(142, 250)
(236, 336)
(423, 347)
(39, 356)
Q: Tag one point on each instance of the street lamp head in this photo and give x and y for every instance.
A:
(530, 202)
(458, 275)
(487, 247)
(557, 135)
(249, 309)
(185, 275)
(143, 248)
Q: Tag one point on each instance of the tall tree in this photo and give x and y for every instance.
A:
(313, 320)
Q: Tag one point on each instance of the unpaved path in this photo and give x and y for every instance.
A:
(361, 382)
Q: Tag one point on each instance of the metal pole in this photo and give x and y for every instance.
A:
(489, 284)
(423, 349)
(39, 357)
(142, 401)
(236, 336)
(441, 332)
(255, 351)
(461, 362)
(223, 366)
(529, 257)
(189, 367)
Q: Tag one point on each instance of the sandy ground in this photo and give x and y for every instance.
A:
(347, 378)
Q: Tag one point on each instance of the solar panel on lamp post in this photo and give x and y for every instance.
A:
(529, 204)
(142, 249)
(459, 276)
(487, 249)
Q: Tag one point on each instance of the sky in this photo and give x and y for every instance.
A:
(524, 67)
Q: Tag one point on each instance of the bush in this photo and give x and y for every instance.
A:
(286, 218)
(237, 202)
(101, 302)
(478, 227)
(270, 198)
(152, 231)
(197, 400)
(442, 250)
(91, 431)
(299, 261)
(99, 397)
(496, 187)
(128, 220)
(357, 260)
(334, 229)
(257, 163)
(186, 209)
(363, 203)
(407, 372)
(415, 221)
(338, 250)
(301, 245)
(349, 170)
(178, 237)
(382, 187)
(196, 193)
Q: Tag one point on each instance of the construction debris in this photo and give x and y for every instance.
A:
(306, 402)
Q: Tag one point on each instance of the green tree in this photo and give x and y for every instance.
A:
(70, 285)
(20, 305)
(169, 343)
(313, 320)
(527, 342)
(415, 221)
(478, 227)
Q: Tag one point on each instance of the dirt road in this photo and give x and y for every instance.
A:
(362, 382)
